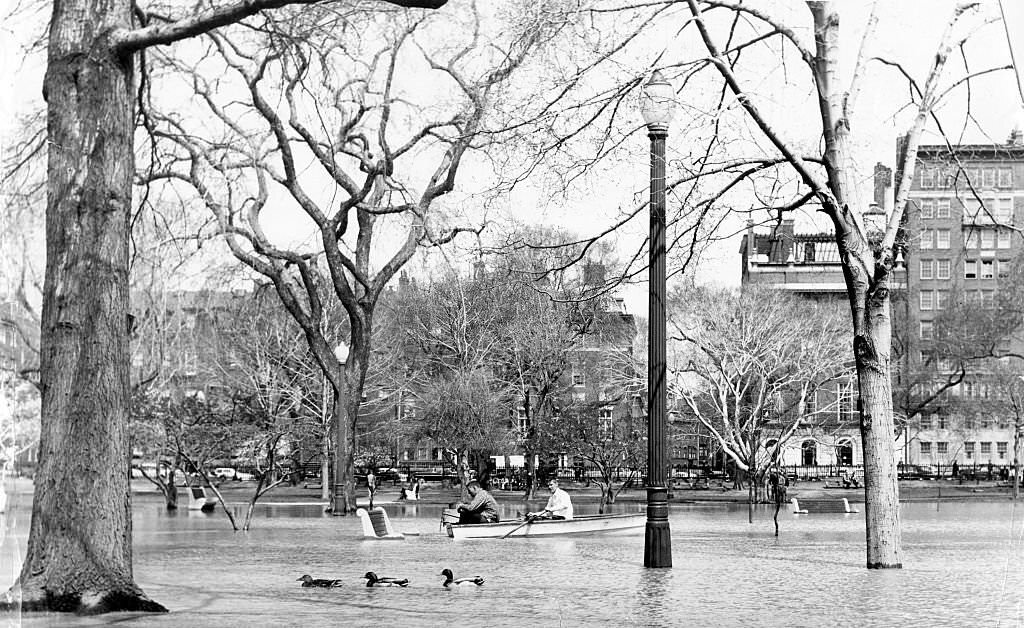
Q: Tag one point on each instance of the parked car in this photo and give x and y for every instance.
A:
(918, 472)
(242, 476)
(224, 473)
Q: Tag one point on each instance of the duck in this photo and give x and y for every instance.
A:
(450, 581)
(309, 581)
(373, 580)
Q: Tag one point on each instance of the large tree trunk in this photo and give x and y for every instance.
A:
(345, 473)
(871, 345)
(79, 555)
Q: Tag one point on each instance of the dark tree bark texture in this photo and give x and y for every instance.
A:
(79, 555)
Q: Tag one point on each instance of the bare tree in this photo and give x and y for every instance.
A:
(752, 365)
(345, 114)
(830, 177)
(73, 564)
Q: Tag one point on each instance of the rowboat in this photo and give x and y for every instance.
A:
(584, 524)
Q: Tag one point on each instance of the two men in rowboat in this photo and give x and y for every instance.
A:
(559, 505)
(481, 507)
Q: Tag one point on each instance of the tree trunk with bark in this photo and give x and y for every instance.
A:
(79, 555)
(872, 342)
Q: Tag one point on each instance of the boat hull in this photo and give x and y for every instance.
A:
(586, 524)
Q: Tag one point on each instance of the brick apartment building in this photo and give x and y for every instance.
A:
(966, 209)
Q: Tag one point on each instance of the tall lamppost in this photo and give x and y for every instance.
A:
(657, 107)
(340, 433)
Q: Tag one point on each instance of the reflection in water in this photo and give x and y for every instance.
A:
(963, 564)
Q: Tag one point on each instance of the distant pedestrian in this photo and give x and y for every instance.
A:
(956, 470)
(371, 485)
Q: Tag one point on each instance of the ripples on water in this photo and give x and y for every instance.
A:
(963, 568)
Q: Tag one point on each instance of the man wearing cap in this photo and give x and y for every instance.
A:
(481, 507)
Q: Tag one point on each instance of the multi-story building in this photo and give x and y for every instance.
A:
(964, 215)
(807, 266)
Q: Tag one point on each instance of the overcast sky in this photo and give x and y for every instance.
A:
(908, 31)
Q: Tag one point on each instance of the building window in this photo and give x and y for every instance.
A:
(972, 211)
(926, 330)
(944, 365)
(942, 423)
(988, 298)
(941, 299)
(971, 241)
(927, 178)
(579, 379)
(926, 448)
(1001, 449)
(941, 448)
(605, 422)
(927, 239)
(926, 299)
(522, 422)
(986, 448)
(988, 239)
(988, 177)
(1005, 266)
(942, 208)
(845, 405)
(969, 449)
(1004, 210)
(970, 269)
(1003, 239)
(942, 238)
(942, 269)
(1005, 177)
(927, 208)
(987, 269)
(926, 268)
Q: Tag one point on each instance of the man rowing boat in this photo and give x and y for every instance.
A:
(559, 505)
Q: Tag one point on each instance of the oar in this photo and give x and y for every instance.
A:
(529, 519)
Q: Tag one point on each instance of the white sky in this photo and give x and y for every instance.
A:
(908, 31)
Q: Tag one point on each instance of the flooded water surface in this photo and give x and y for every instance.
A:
(963, 567)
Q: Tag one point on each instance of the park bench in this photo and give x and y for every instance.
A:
(377, 525)
(809, 506)
(197, 499)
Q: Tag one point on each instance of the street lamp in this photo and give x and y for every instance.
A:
(656, 106)
(340, 433)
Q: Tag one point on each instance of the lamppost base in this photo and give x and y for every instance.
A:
(338, 509)
(657, 534)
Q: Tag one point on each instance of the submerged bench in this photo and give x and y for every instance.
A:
(808, 506)
(377, 525)
(198, 499)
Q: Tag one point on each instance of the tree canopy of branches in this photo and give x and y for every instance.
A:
(751, 365)
(325, 115)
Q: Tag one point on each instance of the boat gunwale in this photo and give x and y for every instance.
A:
(508, 522)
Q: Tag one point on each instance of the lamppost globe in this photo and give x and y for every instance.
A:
(658, 102)
(341, 352)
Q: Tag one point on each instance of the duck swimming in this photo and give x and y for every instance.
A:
(373, 580)
(309, 581)
(449, 579)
